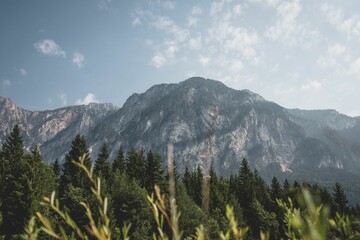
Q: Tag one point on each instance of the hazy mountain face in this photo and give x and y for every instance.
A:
(208, 123)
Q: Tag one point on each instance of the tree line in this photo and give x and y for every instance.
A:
(130, 177)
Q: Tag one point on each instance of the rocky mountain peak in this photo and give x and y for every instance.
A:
(193, 115)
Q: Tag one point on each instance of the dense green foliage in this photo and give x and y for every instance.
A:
(257, 207)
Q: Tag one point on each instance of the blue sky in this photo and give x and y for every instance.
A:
(298, 53)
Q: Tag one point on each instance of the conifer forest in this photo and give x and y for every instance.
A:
(137, 196)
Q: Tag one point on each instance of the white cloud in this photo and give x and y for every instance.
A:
(238, 9)
(216, 6)
(89, 98)
(311, 85)
(336, 56)
(195, 43)
(166, 24)
(169, 4)
(326, 62)
(6, 83)
(171, 50)
(289, 29)
(335, 16)
(235, 40)
(272, 3)
(204, 61)
(196, 10)
(23, 72)
(158, 60)
(192, 21)
(63, 99)
(49, 47)
(104, 4)
(78, 59)
(136, 22)
(355, 67)
(236, 66)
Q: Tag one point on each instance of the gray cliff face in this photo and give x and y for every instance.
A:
(192, 114)
(52, 130)
(238, 123)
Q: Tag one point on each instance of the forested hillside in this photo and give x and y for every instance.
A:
(130, 177)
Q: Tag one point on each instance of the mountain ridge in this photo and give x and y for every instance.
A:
(239, 123)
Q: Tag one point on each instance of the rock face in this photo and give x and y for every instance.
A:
(52, 130)
(208, 123)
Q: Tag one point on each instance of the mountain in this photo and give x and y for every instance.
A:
(319, 145)
(53, 130)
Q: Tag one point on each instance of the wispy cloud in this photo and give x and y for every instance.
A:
(136, 22)
(289, 29)
(89, 98)
(78, 59)
(335, 16)
(6, 83)
(355, 67)
(63, 99)
(169, 4)
(311, 85)
(23, 72)
(337, 58)
(49, 47)
(158, 60)
(104, 4)
(195, 10)
(204, 61)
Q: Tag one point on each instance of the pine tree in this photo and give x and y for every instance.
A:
(40, 177)
(197, 179)
(136, 165)
(15, 204)
(130, 205)
(246, 181)
(74, 185)
(275, 189)
(286, 185)
(154, 172)
(119, 163)
(260, 189)
(340, 200)
(102, 165)
(71, 173)
(187, 180)
(56, 169)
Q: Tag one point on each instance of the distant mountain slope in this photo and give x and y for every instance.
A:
(292, 143)
(58, 126)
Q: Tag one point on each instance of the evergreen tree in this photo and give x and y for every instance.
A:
(102, 165)
(261, 189)
(197, 179)
(40, 178)
(119, 163)
(263, 220)
(186, 180)
(246, 181)
(130, 205)
(340, 200)
(191, 214)
(74, 184)
(154, 172)
(71, 173)
(216, 197)
(15, 204)
(275, 189)
(286, 185)
(135, 166)
(56, 169)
